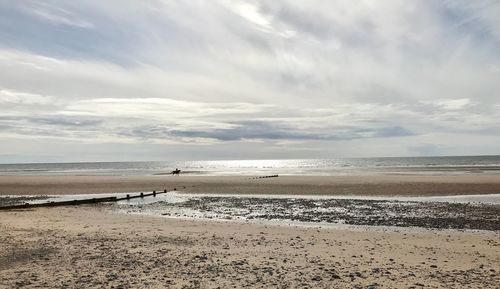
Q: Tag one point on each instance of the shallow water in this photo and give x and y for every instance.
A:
(484, 198)
(175, 197)
(473, 212)
(480, 212)
(322, 167)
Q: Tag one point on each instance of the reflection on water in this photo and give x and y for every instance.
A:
(339, 166)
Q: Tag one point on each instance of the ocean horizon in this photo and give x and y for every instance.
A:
(321, 167)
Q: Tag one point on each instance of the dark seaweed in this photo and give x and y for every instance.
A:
(19, 200)
(439, 215)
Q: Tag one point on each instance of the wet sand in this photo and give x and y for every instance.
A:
(327, 211)
(388, 185)
(90, 247)
(96, 247)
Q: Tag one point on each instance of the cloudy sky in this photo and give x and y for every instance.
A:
(226, 79)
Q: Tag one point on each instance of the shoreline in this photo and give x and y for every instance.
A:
(368, 185)
(470, 212)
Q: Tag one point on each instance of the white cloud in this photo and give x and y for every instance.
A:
(55, 15)
(21, 98)
(310, 73)
(249, 12)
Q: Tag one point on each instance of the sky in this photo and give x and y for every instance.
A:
(122, 80)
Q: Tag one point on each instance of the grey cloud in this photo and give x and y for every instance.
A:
(249, 130)
(92, 34)
(323, 28)
(393, 131)
(216, 73)
(477, 19)
(33, 131)
(262, 130)
(427, 150)
(51, 126)
(65, 121)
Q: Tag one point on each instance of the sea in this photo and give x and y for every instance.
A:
(448, 165)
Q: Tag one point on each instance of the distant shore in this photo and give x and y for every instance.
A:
(375, 185)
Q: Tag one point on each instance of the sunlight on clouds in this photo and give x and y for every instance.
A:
(157, 107)
(22, 98)
(312, 74)
(251, 13)
(455, 104)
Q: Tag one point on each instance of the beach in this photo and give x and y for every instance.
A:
(382, 185)
(250, 144)
(88, 247)
(97, 246)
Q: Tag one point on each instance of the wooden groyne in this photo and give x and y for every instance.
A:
(83, 201)
(265, 177)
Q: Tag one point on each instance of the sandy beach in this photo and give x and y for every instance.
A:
(89, 247)
(95, 246)
(383, 185)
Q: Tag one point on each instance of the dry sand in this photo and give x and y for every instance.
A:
(89, 247)
(405, 185)
(93, 247)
